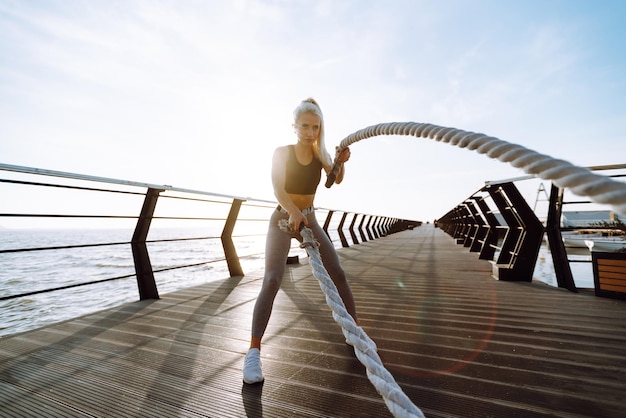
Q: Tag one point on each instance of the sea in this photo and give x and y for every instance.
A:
(24, 272)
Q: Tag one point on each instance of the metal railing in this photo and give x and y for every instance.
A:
(22, 190)
(515, 235)
(499, 224)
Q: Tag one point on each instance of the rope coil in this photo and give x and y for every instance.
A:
(364, 347)
(580, 180)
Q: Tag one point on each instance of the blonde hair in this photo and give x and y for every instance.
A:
(319, 149)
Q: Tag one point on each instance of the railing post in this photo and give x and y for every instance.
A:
(522, 243)
(342, 237)
(232, 259)
(368, 228)
(375, 227)
(327, 223)
(388, 224)
(385, 226)
(475, 224)
(352, 234)
(562, 269)
(466, 224)
(381, 226)
(488, 248)
(363, 238)
(143, 267)
(457, 223)
(514, 231)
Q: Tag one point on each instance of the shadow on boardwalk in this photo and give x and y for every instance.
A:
(458, 342)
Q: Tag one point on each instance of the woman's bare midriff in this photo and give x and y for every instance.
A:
(302, 201)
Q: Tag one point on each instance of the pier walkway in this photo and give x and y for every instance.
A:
(458, 342)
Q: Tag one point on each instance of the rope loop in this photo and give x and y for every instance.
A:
(313, 244)
(580, 180)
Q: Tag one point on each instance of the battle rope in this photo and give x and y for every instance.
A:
(580, 180)
(364, 348)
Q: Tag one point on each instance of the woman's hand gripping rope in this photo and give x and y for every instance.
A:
(364, 348)
(342, 155)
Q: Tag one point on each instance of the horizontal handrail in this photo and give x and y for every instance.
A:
(64, 186)
(109, 180)
(376, 227)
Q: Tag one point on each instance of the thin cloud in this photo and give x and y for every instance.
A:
(199, 89)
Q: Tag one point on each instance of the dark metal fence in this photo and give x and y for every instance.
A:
(499, 224)
(27, 189)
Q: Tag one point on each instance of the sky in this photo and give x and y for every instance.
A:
(198, 94)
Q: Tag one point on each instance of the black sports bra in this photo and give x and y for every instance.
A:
(302, 179)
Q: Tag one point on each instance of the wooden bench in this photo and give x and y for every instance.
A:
(609, 274)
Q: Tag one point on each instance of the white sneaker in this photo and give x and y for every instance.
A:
(252, 372)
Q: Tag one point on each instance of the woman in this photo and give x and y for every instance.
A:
(296, 173)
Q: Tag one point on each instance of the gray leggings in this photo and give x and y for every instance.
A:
(276, 251)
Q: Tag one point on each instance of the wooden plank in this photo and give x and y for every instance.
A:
(609, 271)
(611, 262)
(612, 274)
(611, 279)
(38, 405)
(612, 288)
(612, 269)
(459, 344)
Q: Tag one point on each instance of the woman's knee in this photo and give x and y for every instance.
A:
(334, 268)
(271, 284)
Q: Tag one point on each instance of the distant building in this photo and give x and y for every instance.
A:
(589, 218)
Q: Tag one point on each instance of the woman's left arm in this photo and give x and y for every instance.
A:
(342, 157)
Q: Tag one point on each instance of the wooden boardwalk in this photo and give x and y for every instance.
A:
(459, 343)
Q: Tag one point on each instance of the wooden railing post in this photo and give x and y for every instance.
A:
(143, 267)
(232, 259)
